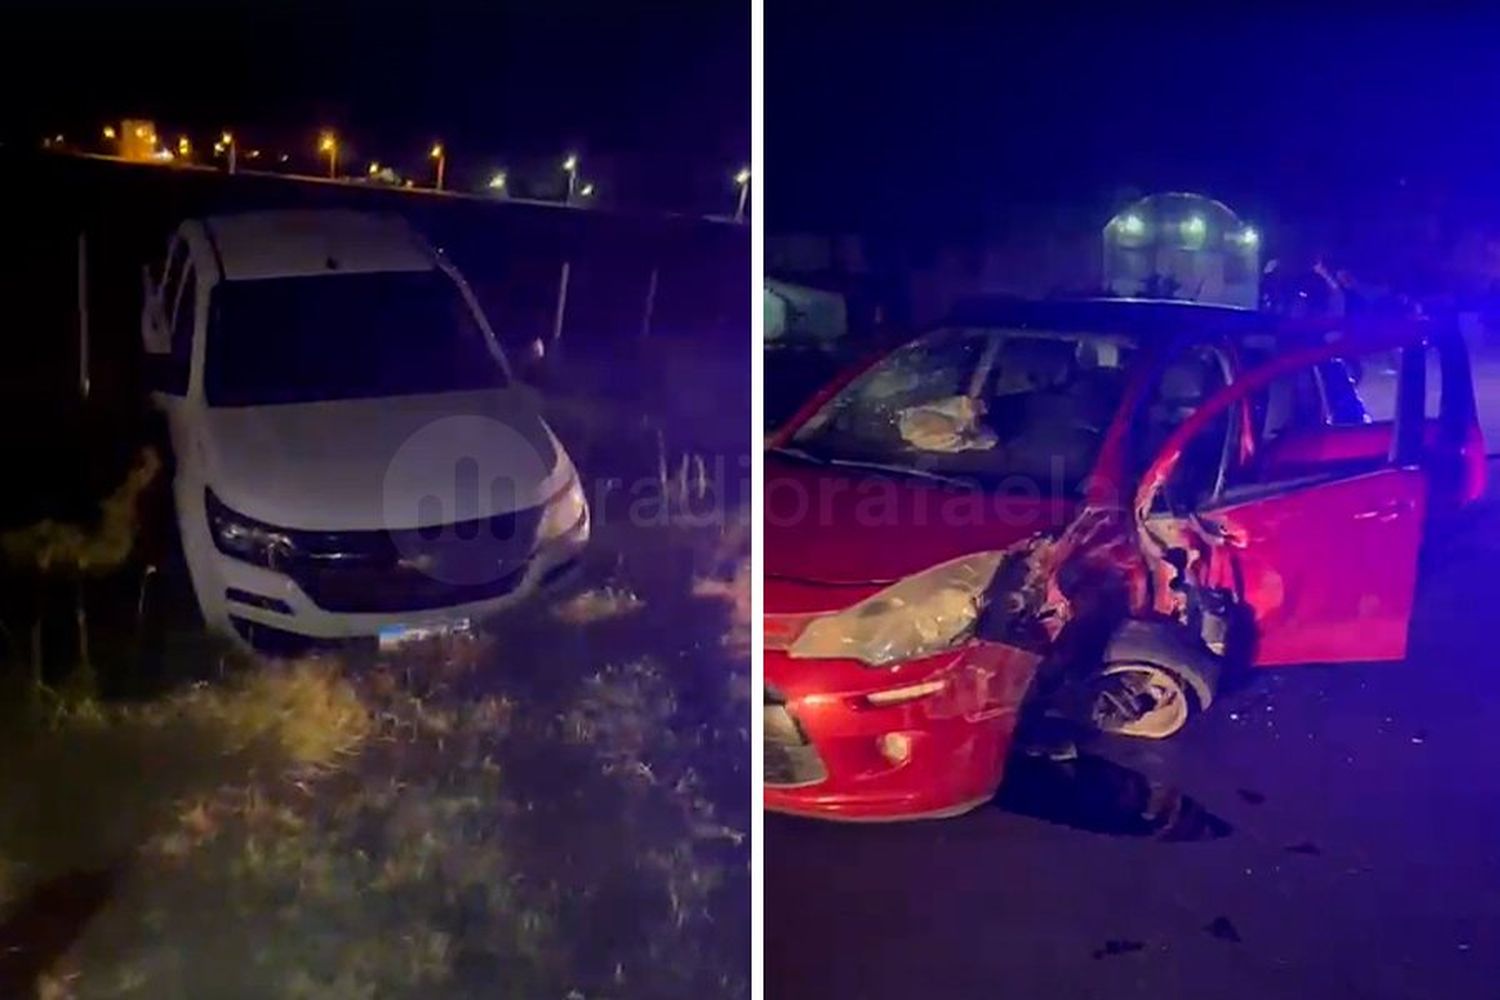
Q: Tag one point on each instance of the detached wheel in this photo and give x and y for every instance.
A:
(1141, 700)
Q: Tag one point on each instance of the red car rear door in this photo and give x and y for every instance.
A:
(1323, 553)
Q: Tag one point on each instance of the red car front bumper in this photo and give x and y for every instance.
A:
(932, 742)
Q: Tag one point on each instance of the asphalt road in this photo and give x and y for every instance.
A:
(1324, 832)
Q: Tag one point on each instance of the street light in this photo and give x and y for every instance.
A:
(184, 147)
(442, 161)
(109, 132)
(327, 143)
(570, 167)
(742, 181)
(497, 181)
(587, 191)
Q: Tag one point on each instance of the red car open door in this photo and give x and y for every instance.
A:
(1322, 550)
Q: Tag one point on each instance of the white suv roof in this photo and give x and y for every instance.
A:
(284, 244)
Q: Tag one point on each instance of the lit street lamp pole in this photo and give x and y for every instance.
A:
(742, 181)
(228, 140)
(570, 167)
(441, 157)
(330, 145)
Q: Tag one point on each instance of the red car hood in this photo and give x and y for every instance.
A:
(843, 532)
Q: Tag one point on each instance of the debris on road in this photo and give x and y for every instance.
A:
(1117, 946)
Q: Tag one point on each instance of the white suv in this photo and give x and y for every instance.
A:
(353, 457)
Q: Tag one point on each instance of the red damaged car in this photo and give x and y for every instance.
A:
(1088, 511)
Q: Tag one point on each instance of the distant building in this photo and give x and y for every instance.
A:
(138, 140)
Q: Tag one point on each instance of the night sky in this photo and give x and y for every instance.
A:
(937, 115)
(655, 95)
(953, 112)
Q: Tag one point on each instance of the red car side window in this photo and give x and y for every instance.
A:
(1182, 386)
(1290, 403)
(1302, 436)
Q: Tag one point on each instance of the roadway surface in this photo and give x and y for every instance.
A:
(1325, 832)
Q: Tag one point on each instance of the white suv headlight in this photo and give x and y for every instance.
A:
(564, 511)
(935, 610)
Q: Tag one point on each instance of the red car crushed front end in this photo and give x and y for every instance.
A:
(925, 735)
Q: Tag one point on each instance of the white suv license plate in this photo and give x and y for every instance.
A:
(395, 636)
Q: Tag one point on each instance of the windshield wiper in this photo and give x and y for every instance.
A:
(851, 463)
(799, 454)
(903, 470)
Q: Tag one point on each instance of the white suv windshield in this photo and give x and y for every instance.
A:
(343, 336)
(1021, 409)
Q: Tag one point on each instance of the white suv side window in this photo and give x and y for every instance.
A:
(168, 360)
(185, 313)
(171, 275)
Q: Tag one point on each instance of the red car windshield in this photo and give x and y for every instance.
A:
(1018, 410)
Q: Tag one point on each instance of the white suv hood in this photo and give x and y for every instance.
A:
(391, 463)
